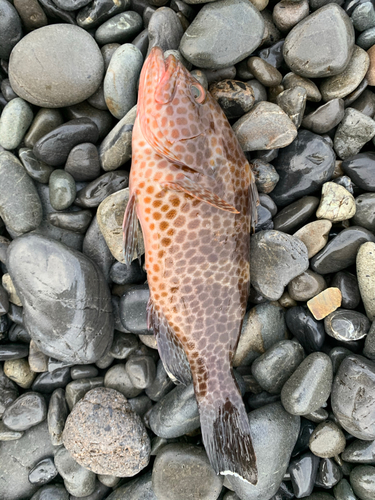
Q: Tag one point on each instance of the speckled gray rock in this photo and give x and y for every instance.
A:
(353, 132)
(332, 32)
(35, 77)
(77, 480)
(77, 325)
(104, 419)
(279, 258)
(274, 433)
(362, 479)
(20, 206)
(366, 277)
(209, 42)
(310, 385)
(62, 189)
(15, 119)
(353, 397)
(120, 82)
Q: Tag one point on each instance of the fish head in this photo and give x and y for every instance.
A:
(174, 109)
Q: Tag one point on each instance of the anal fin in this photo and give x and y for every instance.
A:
(195, 190)
(170, 348)
(130, 228)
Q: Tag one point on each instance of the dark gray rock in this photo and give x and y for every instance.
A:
(325, 118)
(99, 11)
(13, 351)
(45, 121)
(117, 378)
(95, 247)
(10, 28)
(55, 491)
(77, 326)
(77, 222)
(361, 169)
(164, 30)
(43, 472)
(133, 306)
(97, 190)
(123, 345)
(62, 189)
(293, 216)
(161, 385)
(362, 480)
(343, 491)
(121, 28)
(15, 119)
(8, 392)
(83, 371)
(365, 211)
(56, 416)
(47, 382)
(141, 370)
(37, 170)
(76, 390)
(353, 132)
(83, 162)
(346, 325)
(303, 471)
(348, 285)
(26, 411)
(360, 452)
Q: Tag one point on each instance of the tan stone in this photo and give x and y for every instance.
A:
(260, 4)
(9, 287)
(38, 361)
(325, 302)
(314, 235)
(149, 341)
(371, 71)
(366, 277)
(19, 371)
(336, 203)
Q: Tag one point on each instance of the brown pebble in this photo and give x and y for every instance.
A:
(314, 235)
(31, 13)
(287, 14)
(325, 302)
(264, 72)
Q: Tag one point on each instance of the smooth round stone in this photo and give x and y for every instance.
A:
(191, 475)
(360, 452)
(140, 405)
(287, 14)
(325, 118)
(341, 251)
(49, 381)
(56, 416)
(133, 306)
(73, 221)
(62, 189)
(336, 203)
(361, 169)
(141, 371)
(343, 491)
(7, 91)
(102, 118)
(292, 80)
(260, 92)
(18, 457)
(329, 474)
(362, 480)
(303, 471)
(79, 333)
(346, 325)
(55, 491)
(124, 344)
(306, 285)
(13, 351)
(365, 211)
(15, 119)
(19, 371)
(353, 399)
(309, 155)
(54, 147)
(120, 82)
(83, 371)
(266, 176)
(348, 285)
(293, 102)
(115, 150)
(139, 488)
(43, 472)
(309, 332)
(310, 385)
(83, 162)
(295, 214)
(366, 277)
(76, 390)
(366, 39)
(264, 72)
(36, 169)
(25, 412)
(273, 368)
(332, 32)
(353, 132)
(314, 235)
(96, 13)
(234, 97)
(216, 48)
(117, 378)
(265, 126)
(341, 85)
(103, 419)
(78, 480)
(10, 28)
(274, 433)
(327, 440)
(8, 392)
(99, 189)
(20, 206)
(75, 78)
(44, 122)
(120, 28)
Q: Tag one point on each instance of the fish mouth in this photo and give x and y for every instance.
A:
(164, 75)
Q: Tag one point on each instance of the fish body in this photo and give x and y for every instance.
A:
(193, 192)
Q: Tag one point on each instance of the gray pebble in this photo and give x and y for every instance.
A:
(366, 39)
(362, 480)
(45, 121)
(43, 472)
(306, 285)
(346, 325)
(83, 371)
(76, 390)
(365, 211)
(164, 30)
(73, 221)
(325, 118)
(37, 170)
(291, 80)
(26, 411)
(359, 452)
(137, 489)
(353, 132)
(141, 371)
(363, 16)
(120, 28)
(56, 416)
(83, 162)
(161, 385)
(55, 491)
(293, 102)
(62, 189)
(7, 434)
(15, 119)
(117, 378)
(77, 480)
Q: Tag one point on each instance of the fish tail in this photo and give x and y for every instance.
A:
(226, 433)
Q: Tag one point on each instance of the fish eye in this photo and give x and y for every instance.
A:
(198, 92)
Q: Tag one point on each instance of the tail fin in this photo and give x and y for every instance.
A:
(226, 436)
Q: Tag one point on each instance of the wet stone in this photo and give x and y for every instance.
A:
(337, 355)
(164, 30)
(265, 126)
(329, 474)
(341, 85)
(141, 404)
(363, 16)
(325, 303)
(361, 169)
(25, 412)
(260, 93)
(365, 211)
(78, 481)
(306, 429)
(310, 385)
(7, 91)
(306, 285)
(359, 452)
(104, 414)
(95, 247)
(362, 480)
(266, 176)
(127, 275)
(139, 488)
(4, 301)
(303, 471)
(234, 97)
(341, 251)
(45, 121)
(83, 371)
(273, 368)
(366, 277)
(346, 325)
(75, 78)
(83, 162)
(49, 381)
(37, 170)
(293, 102)
(97, 190)
(13, 351)
(343, 491)
(295, 214)
(280, 258)
(117, 378)
(10, 29)
(365, 103)
(133, 309)
(353, 132)
(348, 285)
(141, 371)
(352, 399)
(19, 371)
(56, 416)
(15, 119)
(273, 54)
(309, 154)
(96, 13)
(62, 189)
(327, 440)
(43, 472)
(120, 28)
(333, 36)
(325, 118)
(74, 221)
(291, 80)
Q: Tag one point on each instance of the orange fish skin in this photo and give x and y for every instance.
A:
(193, 192)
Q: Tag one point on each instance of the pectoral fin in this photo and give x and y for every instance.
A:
(130, 228)
(170, 348)
(200, 193)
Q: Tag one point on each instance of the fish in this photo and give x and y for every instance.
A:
(193, 195)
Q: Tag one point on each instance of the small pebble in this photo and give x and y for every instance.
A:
(62, 189)
(362, 480)
(353, 132)
(327, 440)
(306, 285)
(15, 119)
(78, 480)
(325, 303)
(336, 203)
(346, 325)
(19, 371)
(25, 412)
(43, 472)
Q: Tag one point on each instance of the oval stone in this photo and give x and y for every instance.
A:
(67, 305)
(35, 76)
(10, 28)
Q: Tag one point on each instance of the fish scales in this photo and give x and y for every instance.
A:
(193, 192)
